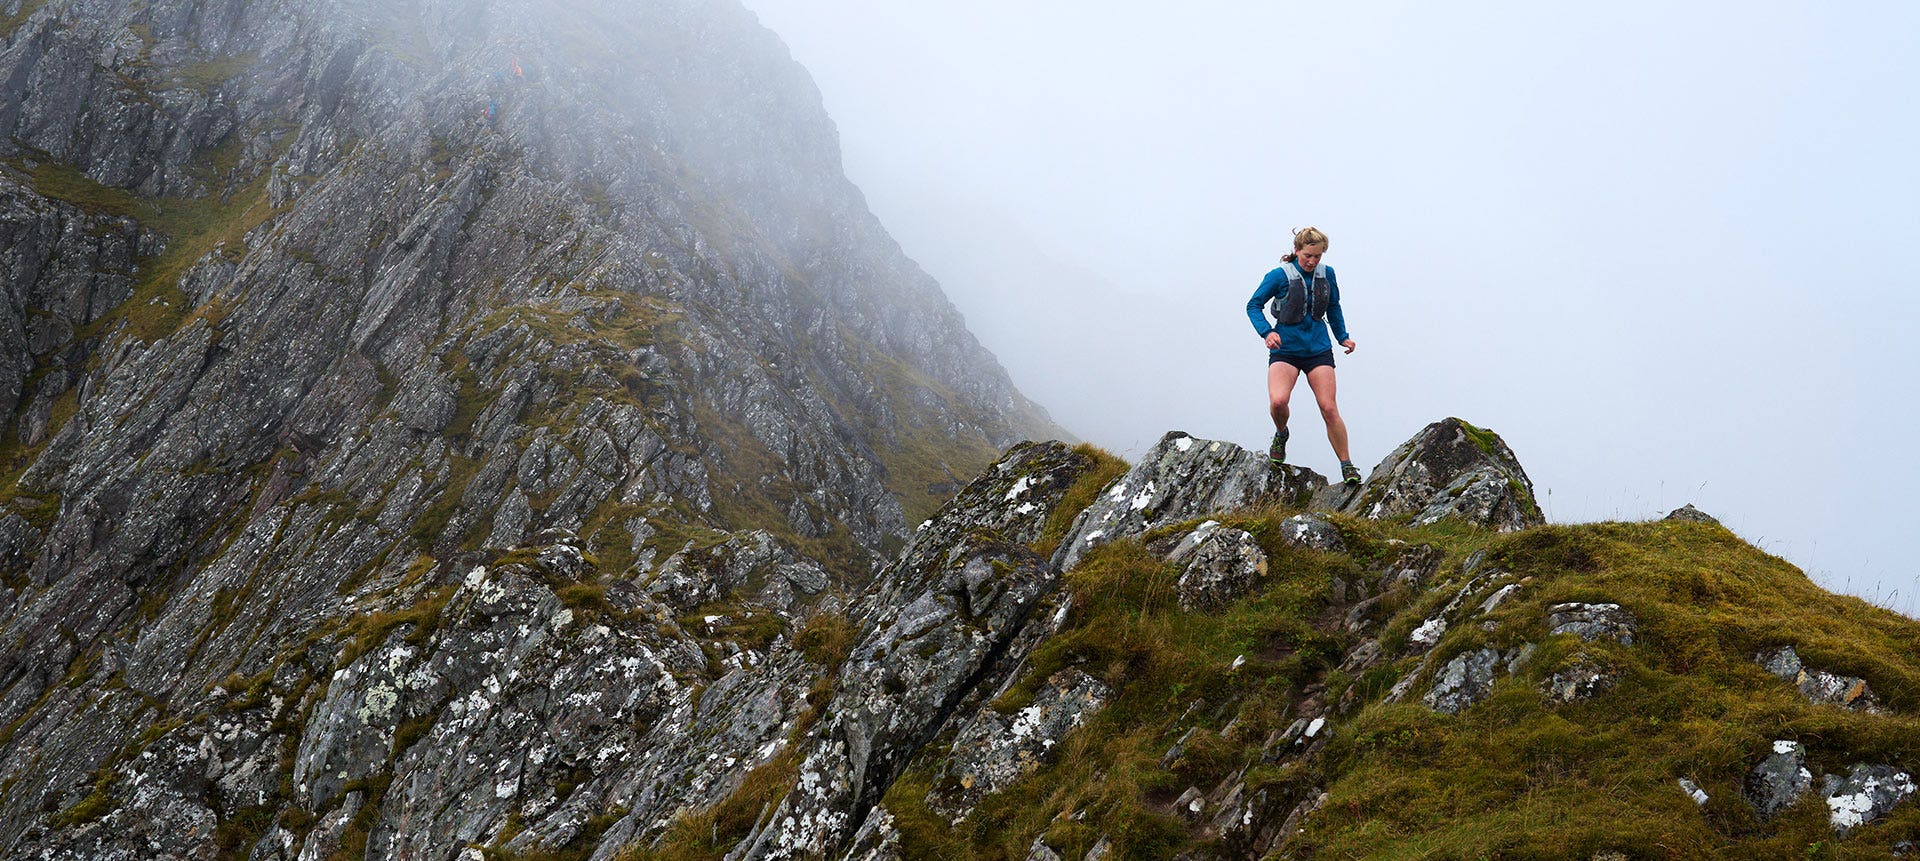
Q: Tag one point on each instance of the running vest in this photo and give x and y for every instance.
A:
(1302, 298)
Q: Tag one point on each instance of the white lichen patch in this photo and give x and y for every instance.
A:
(1429, 631)
(1183, 443)
(1141, 499)
(1019, 487)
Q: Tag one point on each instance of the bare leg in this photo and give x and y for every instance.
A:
(1321, 381)
(1280, 380)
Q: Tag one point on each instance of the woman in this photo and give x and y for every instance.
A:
(1306, 299)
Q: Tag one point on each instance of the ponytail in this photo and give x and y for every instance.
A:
(1303, 237)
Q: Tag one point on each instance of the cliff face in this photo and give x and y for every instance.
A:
(313, 309)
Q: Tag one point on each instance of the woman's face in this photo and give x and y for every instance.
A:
(1309, 256)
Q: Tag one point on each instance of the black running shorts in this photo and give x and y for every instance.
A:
(1304, 363)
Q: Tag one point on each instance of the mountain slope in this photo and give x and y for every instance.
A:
(314, 307)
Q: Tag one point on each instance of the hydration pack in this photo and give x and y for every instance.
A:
(1303, 298)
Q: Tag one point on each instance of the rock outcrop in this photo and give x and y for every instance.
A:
(1449, 469)
(1182, 477)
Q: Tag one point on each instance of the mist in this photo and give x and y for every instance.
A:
(1660, 249)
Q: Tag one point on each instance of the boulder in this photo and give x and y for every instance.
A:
(1312, 532)
(1224, 566)
(1449, 469)
(1867, 793)
(1780, 779)
(1592, 622)
(1819, 686)
(1182, 477)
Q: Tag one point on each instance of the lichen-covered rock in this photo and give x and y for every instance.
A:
(1466, 679)
(1179, 478)
(1223, 566)
(1780, 779)
(993, 750)
(1819, 686)
(1592, 622)
(1412, 568)
(1450, 469)
(1313, 532)
(877, 840)
(957, 608)
(1583, 679)
(1867, 793)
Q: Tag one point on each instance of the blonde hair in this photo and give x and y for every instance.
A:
(1303, 237)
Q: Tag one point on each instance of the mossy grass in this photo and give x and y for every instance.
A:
(1106, 468)
(10, 23)
(1513, 776)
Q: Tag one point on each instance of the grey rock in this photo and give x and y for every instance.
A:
(1690, 514)
(1866, 794)
(1819, 686)
(1450, 469)
(1224, 566)
(1581, 680)
(877, 840)
(993, 750)
(1780, 779)
(1040, 851)
(1183, 550)
(1313, 532)
(1694, 793)
(1592, 622)
(1466, 679)
(1181, 477)
(1413, 568)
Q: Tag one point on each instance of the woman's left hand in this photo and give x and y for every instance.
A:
(1348, 343)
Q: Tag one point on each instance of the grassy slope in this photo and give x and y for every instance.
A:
(1512, 777)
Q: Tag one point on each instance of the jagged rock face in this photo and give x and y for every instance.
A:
(1179, 478)
(1449, 469)
(946, 619)
(312, 308)
(1592, 622)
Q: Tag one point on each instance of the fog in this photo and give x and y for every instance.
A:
(1665, 251)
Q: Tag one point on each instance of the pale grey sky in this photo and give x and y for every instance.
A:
(1664, 249)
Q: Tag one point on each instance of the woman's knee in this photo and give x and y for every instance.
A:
(1329, 410)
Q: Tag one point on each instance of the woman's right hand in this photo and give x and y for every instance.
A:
(1273, 340)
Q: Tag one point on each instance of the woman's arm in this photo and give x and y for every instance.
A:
(1256, 306)
(1335, 318)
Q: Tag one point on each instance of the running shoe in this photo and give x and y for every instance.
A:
(1349, 473)
(1277, 452)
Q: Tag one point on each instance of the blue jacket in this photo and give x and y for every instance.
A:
(1309, 336)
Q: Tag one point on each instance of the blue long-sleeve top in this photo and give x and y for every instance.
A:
(1309, 336)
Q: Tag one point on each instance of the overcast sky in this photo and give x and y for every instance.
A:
(1668, 251)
